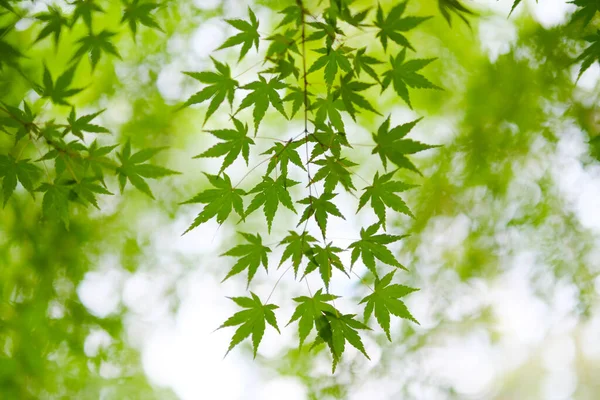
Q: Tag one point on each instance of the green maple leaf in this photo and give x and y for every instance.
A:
(591, 54)
(247, 37)
(253, 321)
(363, 62)
(393, 24)
(336, 329)
(86, 190)
(269, 194)
(263, 93)
(372, 246)
(382, 194)
(83, 124)
(58, 91)
(309, 311)
(404, 75)
(84, 10)
(320, 207)
(21, 120)
(220, 86)
(97, 159)
(13, 171)
(391, 145)
(282, 44)
(324, 258)
(454, 6)
(283, 154)
(328, 108)
(55, 204)
(297, 248)
(54, 22)
(66, 155)
(326, 139)
(328, 30)
(133, 169)
(296, 96)
(291, 14)
(95, 45)
(250, 255)
(341, 9)
(332, 60)
(236, 141)
(587, 10)
(219, 201)
(139, 12)
(349, 92)
(385, 300)
(334, 170)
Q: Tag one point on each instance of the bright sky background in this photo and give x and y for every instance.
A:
(181, 351)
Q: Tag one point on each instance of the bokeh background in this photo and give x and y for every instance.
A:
(504, 246)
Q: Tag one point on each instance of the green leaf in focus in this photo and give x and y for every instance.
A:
(404, 75)
(236, 141)
(309, 310)
(132, 168)
(320, 207)
(334, 170)
(283, 154)
(382, 194)
(372, 246)
(324, 258)
(262, 94)
(391, 145)
(336, 329)
(221, 86)
(250, 255)
(332, 61)
(247, 37)
(219, 201)
(77, 126)
(269, 194)
(385, 300)
(252, 321)
(393, 24)
(297, 248)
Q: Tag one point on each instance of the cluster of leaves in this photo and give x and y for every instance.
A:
(347, 73)
(80, 162)
(308, 50)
